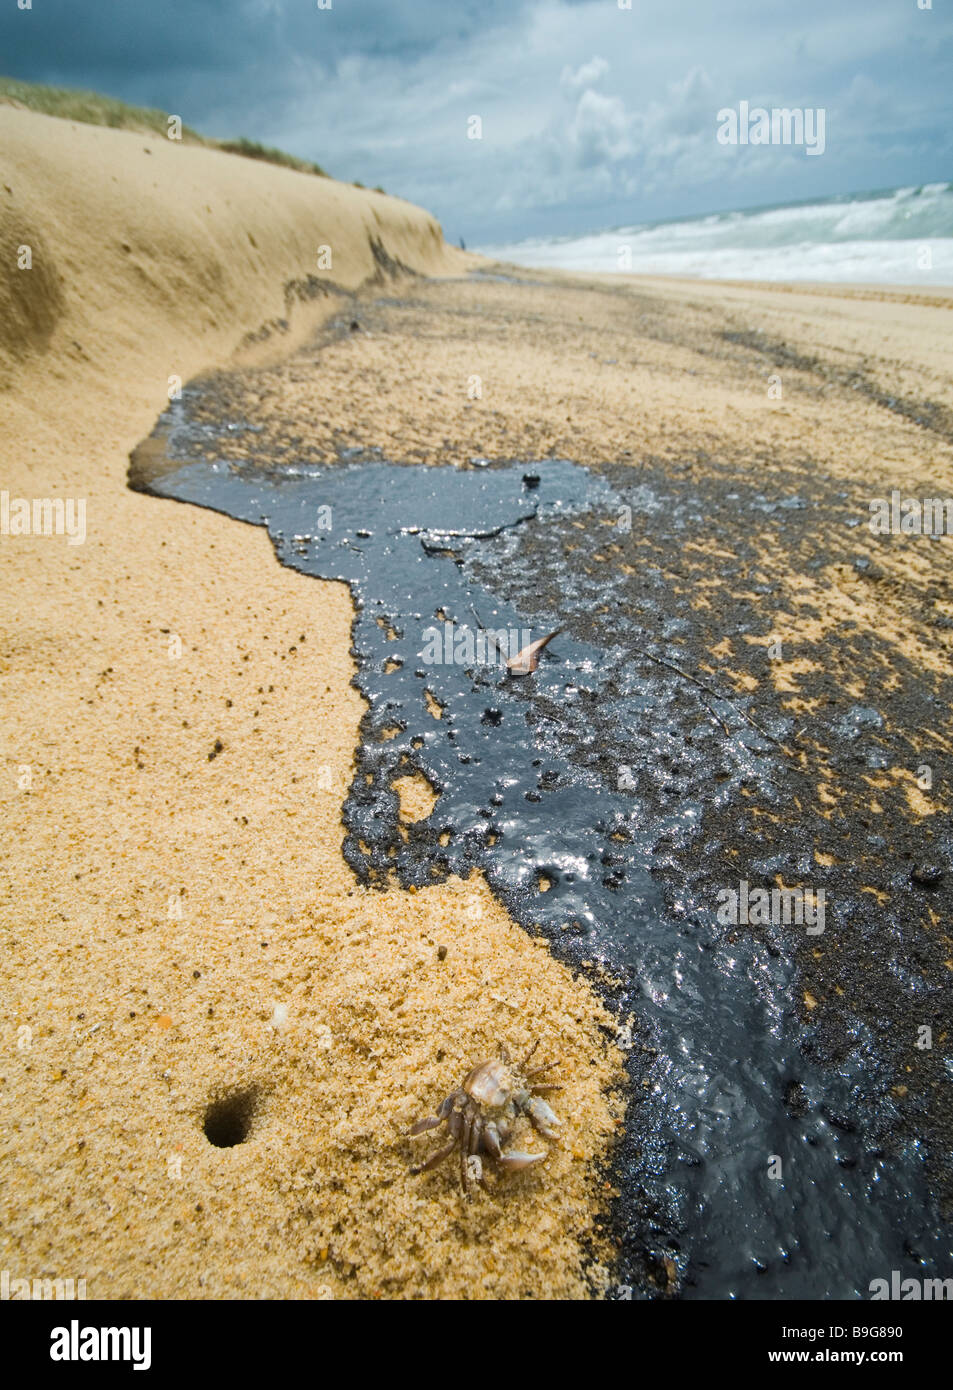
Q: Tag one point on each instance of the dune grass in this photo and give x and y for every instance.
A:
(251, 149)
(92, 108)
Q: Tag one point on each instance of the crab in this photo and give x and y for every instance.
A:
(481, 1113)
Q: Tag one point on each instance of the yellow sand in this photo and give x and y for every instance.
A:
(178, 926)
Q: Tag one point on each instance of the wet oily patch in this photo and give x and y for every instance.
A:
(578, 790)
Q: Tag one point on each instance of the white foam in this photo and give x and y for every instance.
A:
(904, 236)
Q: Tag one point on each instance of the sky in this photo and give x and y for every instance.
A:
(590, 115)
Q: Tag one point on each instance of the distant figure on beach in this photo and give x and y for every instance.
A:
(463, 245)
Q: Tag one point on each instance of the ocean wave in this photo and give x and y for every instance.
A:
(895, 236)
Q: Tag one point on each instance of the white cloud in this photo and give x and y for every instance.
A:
(599, 132)
(586, 75)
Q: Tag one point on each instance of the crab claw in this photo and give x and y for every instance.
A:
(517, 1160)
(542, 1117)
(492, 1139)
(432, 1121)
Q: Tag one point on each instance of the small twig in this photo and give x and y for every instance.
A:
(742, 714)
(480, 628)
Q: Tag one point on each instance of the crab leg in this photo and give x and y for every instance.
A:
(538, 1071)
(436, 1158)
(465, 1154)
(421, 1126)
(529, 1055)
(476, 1144)
(476, 1134)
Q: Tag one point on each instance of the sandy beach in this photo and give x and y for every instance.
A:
(180, 726)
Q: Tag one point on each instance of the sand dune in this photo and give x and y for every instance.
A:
(153, 251)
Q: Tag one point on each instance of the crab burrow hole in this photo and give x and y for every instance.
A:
(228, 1118)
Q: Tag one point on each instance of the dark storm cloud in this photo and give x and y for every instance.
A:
(119, 41)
